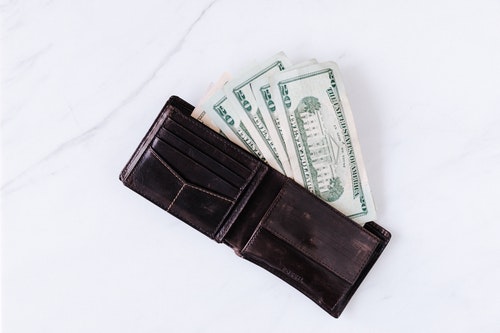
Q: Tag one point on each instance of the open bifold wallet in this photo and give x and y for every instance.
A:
(234, 198)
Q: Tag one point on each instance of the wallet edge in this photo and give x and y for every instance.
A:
(384, 236)
(173, 101)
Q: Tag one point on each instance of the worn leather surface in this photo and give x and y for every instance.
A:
(234, 198)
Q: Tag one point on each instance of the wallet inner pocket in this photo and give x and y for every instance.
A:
(310, 245)
(198, 206)
(285, 261)
(305, 223)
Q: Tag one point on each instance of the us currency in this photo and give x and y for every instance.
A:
(239, 93)
(320, 137)
(221, 111)
(262, 95)
(199, 113)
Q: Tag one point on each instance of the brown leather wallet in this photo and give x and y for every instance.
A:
(234, 198)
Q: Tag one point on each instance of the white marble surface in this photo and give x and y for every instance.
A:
(83, 80)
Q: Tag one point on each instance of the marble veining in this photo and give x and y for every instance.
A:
(83, 80)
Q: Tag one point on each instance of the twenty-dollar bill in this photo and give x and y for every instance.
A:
(321, 138)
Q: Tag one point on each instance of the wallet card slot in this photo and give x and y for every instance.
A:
(200, 135)
(193, 172)
(211, 149)
(193, 136)
(200, 157)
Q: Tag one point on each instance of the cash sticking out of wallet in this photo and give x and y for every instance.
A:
(297, 119)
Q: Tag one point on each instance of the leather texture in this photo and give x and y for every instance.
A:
(234, 198)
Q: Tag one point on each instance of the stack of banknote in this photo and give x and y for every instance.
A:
(296, 118)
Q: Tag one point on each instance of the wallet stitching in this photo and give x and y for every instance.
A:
(225, 224)
(176, 196)
(150, 198)
(200, 165)
(184, 182)
(209, 192)
(155, 154)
